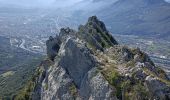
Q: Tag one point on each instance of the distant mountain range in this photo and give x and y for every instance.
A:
(135, 17)
(139, 17)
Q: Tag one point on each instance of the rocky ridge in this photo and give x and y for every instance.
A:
(91, 65)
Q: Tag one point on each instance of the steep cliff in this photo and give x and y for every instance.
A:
(91, 65)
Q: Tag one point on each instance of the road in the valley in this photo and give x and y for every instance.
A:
(22, 45)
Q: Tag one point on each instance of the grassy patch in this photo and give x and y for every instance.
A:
(26, 92)
(114, 79)
(46, 86)
(73, 90)
(12, 82)
(129, 89)
(148, 72)
(136, 92)
(161, 73)
(131, 64)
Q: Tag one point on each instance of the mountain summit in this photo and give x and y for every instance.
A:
(90, 65)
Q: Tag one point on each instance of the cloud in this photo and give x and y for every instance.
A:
(167, 1)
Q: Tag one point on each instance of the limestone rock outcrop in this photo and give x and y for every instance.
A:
(91, 65)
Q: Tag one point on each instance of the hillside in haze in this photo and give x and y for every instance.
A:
(133, 17)
(16, 67)
(137, 17)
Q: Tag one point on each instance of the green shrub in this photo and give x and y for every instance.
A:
(46, 86)
(114, 79)
(73, 90)
(161, 73)
(140, 92)
(131, 64)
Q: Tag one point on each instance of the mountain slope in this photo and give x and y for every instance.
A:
(16, 68)
(91, 65)
(139, 17)
(134, 17)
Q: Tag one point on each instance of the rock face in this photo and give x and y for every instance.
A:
(90, 65)
(82, 63)
(53, 46)
(74, 74)
(160, 89)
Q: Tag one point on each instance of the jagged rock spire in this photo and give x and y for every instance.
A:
(94, 33)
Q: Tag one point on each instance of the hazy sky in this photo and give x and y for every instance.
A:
(43, 3)
(167, 0)
(47, 3)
